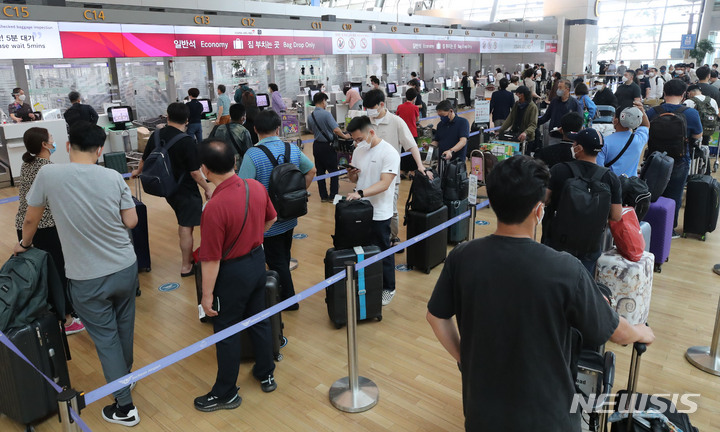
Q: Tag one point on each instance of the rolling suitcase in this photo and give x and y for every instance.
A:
(430, 252)
(661, 216)
(626, 419)
(457, 232)
(630, 283)
(141, 234)
(272, 294)
(646, 230)
(702, 203)
(656, 171)
(25, 396)
(116, 161)
(369, 300)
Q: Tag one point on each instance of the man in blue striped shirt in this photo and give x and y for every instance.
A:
(256, 165)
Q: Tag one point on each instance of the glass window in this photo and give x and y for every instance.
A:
(143, 86)
(645, 4)
(637, 51)
(191, 72)
(674, 32)
(644, 17)
(7, 83)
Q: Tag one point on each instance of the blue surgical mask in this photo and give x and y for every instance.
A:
(445, 119)
(52, 150)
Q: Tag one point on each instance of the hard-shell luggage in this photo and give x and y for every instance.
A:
(630, 283)
(656, 171)
(646, 230)
(369, 301)
(25, 396)
(700, 163)
(430, 252)
(702, 203)
(627, 419)
(272, 295)
(595, 379)
(353, 224)
(661, 216)
(141, 233)
(459, 231)
(116, 161)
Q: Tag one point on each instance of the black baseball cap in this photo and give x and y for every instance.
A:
(590, 140)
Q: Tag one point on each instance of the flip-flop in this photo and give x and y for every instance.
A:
(190, 273)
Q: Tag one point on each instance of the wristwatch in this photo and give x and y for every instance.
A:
(361, 193)
(23, 246)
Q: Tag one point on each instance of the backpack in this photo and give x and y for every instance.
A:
(636, 194)
(708, 118)
(668, 132)
(454, 180)
(425, 195)
(157, 175)
(287, 186)
(353, 224)
(582, 213)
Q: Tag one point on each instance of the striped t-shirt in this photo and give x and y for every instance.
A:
(256, 165)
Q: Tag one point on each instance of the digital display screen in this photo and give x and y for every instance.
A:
(120, 115)
(448, 83)
(312, 93)
(207, 108)
(262, 100)
(359, 89)
(391, 88)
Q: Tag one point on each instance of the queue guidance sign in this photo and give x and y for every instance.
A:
(29, 40)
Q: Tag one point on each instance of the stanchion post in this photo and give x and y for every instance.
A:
(67, 399)
(471, 225)
(705, 358)
(353, 393)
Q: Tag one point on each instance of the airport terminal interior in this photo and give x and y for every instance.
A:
(130, 59)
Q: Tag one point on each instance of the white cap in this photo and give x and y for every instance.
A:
(631, 117)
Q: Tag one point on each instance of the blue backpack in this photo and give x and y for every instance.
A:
(157, 175)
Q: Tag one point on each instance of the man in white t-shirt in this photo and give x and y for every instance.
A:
(395, 131)
(657, 82)
(376, 166)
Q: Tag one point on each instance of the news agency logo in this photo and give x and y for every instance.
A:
(661, 402)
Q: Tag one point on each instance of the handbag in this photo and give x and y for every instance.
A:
(628, 236)
(332, 141)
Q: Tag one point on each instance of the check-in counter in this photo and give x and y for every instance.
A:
(393, 103)
(11, 139)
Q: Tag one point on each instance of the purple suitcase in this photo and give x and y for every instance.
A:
(661, 217)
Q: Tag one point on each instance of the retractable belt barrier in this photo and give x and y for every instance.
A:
(196, 347)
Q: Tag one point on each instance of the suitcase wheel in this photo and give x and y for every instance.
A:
(379, 317)
(138, 293)
(205, 319)
(683, 235)
(715, 166)
(283, 342)
(146, 269)
(658, 268)
(338, 326)
(427, 271)
(279, 357)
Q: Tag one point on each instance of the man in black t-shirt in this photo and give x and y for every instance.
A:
(79, 112)
(628, 91)
(185, 161)
(513, 336)
(586, 146)
(195, 109)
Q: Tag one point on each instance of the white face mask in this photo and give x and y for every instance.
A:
(624, 79)
(641, 76)
(560, 93)
(652, 74)
(373, 112)
(601, 87)
(22, 98)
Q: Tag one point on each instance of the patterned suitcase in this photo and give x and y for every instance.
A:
(630, 283)
(661, 217)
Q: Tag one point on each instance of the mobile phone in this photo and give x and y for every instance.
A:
(347, 166)
(216, 304)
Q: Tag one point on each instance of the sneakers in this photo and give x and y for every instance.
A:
(268, 385)
(387, 297)
(209, 402)
(76, 326)
(126, 416)
(675, 234)
(394, 242)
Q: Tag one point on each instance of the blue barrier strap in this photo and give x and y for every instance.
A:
(158, 365)
(9, 200)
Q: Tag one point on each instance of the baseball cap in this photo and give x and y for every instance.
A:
(590, 140)
(631, 117)
(692, 87)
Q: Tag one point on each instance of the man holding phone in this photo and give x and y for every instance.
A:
(233, 271)
(376, 166)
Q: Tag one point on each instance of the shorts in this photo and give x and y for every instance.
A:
(187, 206)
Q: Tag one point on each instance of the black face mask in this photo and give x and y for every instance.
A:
(522, 105)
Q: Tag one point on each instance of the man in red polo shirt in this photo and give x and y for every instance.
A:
(233, 271)
(410, 113)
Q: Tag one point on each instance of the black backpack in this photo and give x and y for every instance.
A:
(157, 175)
(455, 183)
(636, 194)
(582, 213)
(287, 186)
(668, 132)
(708, 118)
(353, 224)
(425, 195)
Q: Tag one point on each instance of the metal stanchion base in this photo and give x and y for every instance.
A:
(699, 356)
(342, 398)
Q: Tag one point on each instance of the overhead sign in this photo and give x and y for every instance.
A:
(29, 40)
(688, 41)
(352, 43)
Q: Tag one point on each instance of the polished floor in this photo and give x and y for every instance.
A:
(419, 383)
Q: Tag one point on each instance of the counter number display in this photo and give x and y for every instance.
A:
(94, 15)
(16, 11)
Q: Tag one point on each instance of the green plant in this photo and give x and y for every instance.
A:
(702, 48)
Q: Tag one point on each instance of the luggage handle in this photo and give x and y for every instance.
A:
(138, 189)
(638, 350)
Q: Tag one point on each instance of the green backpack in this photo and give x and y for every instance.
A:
(707, 115)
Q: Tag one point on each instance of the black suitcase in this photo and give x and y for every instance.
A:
(459, 231)
(335, 294)
(426, 254)
(25, 396)
(141, 234)
(656, 171)
(272, 292)
(702, 203)
(353, 224)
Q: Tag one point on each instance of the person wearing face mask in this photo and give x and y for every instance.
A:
(586, 145)
(472, 296)
(323, 125)
(278, 105)
(40, 145)
(395, 131)
(560, 106)
(376, 166)
(19, 110)
(603, 95)
(666, 73)
(680, 73)
(186, 202)
(100, 261)
(623, 149)
(643, 81)
(655, 92)
(79, 111)
(628, 92)
(452, 133)
(621, 70)
(234, 133)
(523, 117)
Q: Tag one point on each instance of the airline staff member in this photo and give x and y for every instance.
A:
(20, 110)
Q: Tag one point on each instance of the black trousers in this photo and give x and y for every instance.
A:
(240, 287)
(381, 234)
(466, 94)
(326, 162)
(277, 257)
(46, 239)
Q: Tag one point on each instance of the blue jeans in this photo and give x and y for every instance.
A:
(381, 233)
(676, 185)
(195, 130)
